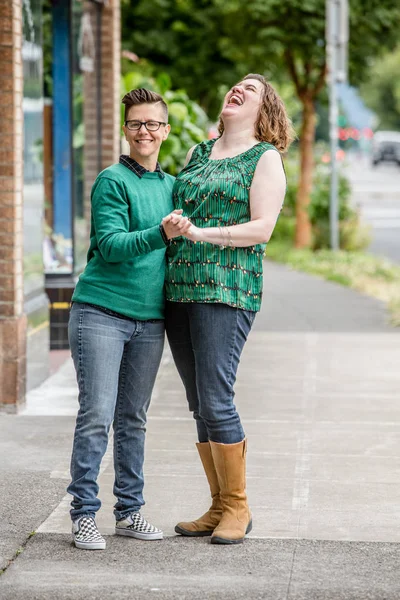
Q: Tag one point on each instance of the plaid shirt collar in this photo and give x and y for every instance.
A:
(134, 166)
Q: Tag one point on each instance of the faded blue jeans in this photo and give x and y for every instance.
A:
(206, 342)
(116, 362)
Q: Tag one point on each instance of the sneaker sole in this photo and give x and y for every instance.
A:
(90, 545)
(187, 533)
(139, 536)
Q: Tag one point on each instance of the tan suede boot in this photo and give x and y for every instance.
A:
(205, 524)
(230, 464)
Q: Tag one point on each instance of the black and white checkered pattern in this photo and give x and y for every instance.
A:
(86, 535)
(135, 525)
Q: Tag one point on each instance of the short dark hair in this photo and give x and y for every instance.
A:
(143, 96)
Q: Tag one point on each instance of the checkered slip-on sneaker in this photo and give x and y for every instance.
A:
(86, 535)
(136, 526)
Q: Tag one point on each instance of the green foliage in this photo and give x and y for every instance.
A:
(47, 37)
(320, 195)
(189, 123)
(182, 38)
(284, 228)
(382, 92)
(353, 235)
(206, 45)
(374, 276)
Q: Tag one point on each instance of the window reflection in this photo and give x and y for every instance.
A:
(86, 118)
(32, 104)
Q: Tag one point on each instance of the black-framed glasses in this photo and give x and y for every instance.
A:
(150, 125)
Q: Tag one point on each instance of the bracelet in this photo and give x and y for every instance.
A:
(166, 241)
(222, 245)
(230, 243)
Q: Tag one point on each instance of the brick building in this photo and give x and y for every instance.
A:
(59, 126)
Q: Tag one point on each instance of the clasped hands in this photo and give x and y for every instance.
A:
(176, 225)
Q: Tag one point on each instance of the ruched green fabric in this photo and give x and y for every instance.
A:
(216, 193)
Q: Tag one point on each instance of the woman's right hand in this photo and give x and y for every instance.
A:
(175, 225)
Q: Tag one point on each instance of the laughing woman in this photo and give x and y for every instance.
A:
(232, 189)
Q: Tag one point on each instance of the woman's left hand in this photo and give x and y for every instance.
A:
(193, 234)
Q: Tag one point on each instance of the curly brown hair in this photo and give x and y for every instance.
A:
(273, 124)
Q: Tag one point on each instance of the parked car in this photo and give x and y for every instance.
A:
(386, 147)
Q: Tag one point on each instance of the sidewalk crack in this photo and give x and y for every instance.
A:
(17, 553)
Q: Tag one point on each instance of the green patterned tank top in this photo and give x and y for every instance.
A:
(216, 193)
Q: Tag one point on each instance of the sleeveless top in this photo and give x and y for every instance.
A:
(216, 193)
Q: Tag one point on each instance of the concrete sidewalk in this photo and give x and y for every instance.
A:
(318, 393)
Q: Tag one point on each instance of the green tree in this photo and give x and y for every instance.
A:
(295, 30)
(382, 91)
(207, 44)
(182, 38)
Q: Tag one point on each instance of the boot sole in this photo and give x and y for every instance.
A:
(219, 540)
(187, 533)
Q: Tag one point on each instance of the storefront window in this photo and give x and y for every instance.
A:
(32, 56)
(72, 126)
(58, 243)
(86, 107)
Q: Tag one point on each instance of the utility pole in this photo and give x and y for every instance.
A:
(337, 37)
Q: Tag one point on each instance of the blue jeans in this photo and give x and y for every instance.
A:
(206, 341)
(116, 362)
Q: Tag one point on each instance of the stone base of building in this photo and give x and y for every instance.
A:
(12, 363)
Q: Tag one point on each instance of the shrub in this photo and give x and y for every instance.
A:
(353, 235)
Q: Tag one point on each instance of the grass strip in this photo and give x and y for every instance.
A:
(373, 276)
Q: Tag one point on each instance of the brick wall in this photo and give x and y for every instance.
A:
(12, 319)
(110, 100)
(111, 86)
(90, 118)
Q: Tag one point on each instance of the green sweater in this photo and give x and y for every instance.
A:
(125, 268)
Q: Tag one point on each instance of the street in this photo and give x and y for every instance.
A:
(376, 190)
